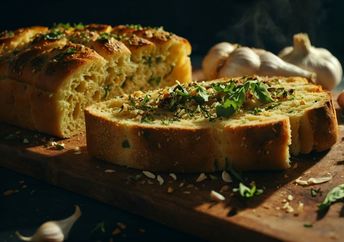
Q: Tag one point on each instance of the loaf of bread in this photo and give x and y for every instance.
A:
(49, 75)
(250, 123)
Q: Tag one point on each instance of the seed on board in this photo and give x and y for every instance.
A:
(174, 177)
(148, 174)
(215, 196)
(201, 177)
(290, 197)
(226, 177)
(160, 180)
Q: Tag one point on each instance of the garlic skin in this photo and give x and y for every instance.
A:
(327, 67)
(215, 58)
(242, 61)
(272, 65)
(53, 231)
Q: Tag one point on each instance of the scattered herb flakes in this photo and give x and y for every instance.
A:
(336, 194)
(100, 227)
(235, 96)
(248, 192)
(125, 144)
(315, 192)
(308, 225)
(53, 35)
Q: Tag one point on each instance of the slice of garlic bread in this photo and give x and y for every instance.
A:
(250, 123)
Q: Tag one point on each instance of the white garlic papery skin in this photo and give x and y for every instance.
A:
(242, 61)
(272, 65)
(53, 231)
(215, 58)
(327, 67)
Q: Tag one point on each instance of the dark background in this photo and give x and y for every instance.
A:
(265, 24)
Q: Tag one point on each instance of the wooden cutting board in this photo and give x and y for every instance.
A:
(189, 207)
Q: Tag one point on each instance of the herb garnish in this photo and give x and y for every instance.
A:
(315, 192)
(53, 35)
(336, 194)
(248, 192)
(235, 96)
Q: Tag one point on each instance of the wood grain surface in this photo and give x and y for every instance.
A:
(189, 207)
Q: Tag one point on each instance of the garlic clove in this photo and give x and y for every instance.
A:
(318, 60)
(215, 58)
(272, 65)
(242, 61)
(53, 231)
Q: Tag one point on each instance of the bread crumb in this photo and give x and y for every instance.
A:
(290, 197)
(109, 171)
(181, 184)
(170, 190)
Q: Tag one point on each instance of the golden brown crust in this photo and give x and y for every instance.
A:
(178, 149)
(250, 143)
(323, 121)
(38, 64)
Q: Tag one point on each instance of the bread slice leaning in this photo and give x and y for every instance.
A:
(184, 129)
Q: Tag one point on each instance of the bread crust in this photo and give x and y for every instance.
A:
(189, 149)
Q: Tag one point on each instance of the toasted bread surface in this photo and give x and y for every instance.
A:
(189, 128)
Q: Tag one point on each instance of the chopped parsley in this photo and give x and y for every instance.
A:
(336, 194)
(248, 192)
(235, 96)
(53, 35)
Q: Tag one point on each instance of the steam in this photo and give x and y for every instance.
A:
(271, 24)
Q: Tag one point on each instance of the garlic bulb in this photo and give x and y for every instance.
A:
(53, 231)
(242, 61)
(272, 65)
(229, 60)
(321, 61)
(215, 59)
